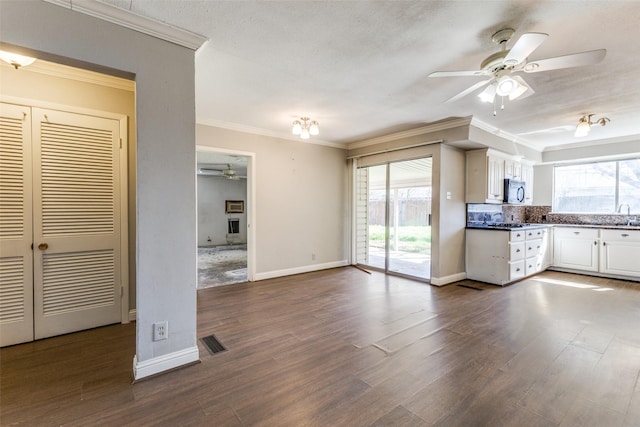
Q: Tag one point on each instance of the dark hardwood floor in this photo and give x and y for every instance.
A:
(344, 348)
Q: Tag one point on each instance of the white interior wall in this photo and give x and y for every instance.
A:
(300, 201)
(166, 209)
(213, 191)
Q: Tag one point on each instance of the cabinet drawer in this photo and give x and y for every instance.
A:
(516, 270)
(532, 265)
(533, 248)
(576, 232)
(516, 236)
(621, 235)
(516, 251)
(537, 233)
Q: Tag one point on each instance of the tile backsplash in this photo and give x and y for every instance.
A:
(478, 212)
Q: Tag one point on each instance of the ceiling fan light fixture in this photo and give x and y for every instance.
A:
(506, 85)
(517, 92)
(489, 94)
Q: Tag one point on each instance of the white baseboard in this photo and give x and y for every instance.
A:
(441, 281)
(298, 270)
(164, 363)
(132, 315)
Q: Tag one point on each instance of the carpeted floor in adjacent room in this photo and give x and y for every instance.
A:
(222, 265)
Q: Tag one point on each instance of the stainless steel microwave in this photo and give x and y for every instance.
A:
(513, 191)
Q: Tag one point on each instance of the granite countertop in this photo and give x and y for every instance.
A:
(606, 226)
(485, 226)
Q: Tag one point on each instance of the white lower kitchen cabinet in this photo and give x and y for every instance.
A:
(606, 252)
(576, 248)
(620, 252)
(504, 256)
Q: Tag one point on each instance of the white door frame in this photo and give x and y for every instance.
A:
(251, 200)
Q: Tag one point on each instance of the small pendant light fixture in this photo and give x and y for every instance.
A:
(584, 124)
(16, 60)
(305, 127)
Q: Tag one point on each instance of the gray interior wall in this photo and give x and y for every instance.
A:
(213, 191)
(165, 187)
(452, 224)
(300, 196)
(27, 84)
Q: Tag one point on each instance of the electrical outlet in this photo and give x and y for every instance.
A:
(160, 331)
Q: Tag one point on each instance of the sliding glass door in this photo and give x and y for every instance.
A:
(393, 217)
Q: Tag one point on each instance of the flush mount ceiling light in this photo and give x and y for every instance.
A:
(584, 124)
(305, 127)
(16, 60)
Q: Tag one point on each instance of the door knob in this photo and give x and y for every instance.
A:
(43, 246)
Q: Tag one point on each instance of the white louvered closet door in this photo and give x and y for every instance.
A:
(76, 222)
(16, 260)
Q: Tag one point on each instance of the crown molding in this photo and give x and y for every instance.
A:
(502, 134)
(433, 127)
(76, 74)
(594, 143)
(265, 132)
(133, 21)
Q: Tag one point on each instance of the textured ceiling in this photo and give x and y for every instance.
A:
(360, 67)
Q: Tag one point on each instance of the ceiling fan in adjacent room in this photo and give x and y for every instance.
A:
(228, 172)
(502, 66)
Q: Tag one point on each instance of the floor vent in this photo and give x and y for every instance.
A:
(212, 344)
(471, 287)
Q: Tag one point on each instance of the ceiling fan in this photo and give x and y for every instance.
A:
(501, 66)
(227, 172)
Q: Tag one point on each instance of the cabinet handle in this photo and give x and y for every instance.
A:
(624, 235)
(43, 246)
(576, 232)
(518, 269)
(517, 250)
(604, 243)
(595, 243)
(518, 235)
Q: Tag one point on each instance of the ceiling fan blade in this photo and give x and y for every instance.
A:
(525, 45)
(469, 90)
(521, 94)
(458, 73)
(566, 61)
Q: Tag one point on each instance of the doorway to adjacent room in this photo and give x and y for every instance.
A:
(223, 220)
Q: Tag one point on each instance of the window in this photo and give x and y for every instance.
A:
(602, 187)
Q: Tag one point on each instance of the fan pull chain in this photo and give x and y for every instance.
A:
(495, 113)
(502, 101)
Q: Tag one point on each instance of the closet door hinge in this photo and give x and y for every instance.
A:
(121, 143)
(121, 291)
